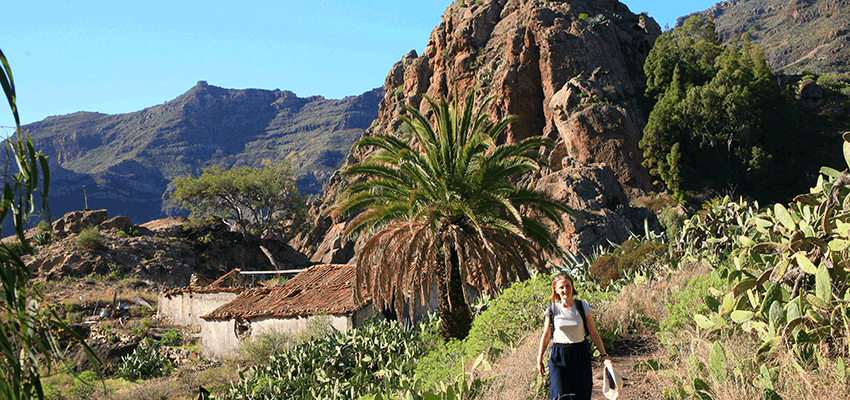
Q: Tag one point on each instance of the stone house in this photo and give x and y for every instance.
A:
(185, 306)
(324, 291)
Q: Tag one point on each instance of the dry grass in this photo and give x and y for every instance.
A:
(514, 375)
(645, 299)
(743, 379)
(182, 385)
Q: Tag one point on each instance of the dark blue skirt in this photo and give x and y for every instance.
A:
(570, 372)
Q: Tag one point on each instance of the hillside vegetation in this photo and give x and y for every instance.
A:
(127, 161)
(796, 35)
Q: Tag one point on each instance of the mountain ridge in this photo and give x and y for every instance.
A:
(797, 35)
(128, 161)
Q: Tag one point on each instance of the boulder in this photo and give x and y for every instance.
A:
(75, 221)
(119, 223)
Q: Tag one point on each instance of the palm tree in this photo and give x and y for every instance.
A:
(444, 208)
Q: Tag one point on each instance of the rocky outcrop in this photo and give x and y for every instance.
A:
(165, 252)
(567, 70)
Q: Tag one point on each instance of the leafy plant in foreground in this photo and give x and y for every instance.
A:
(29, 342)
(789, 268)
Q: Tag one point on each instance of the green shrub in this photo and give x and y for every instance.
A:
(171, 337)
(144, 363)
(121, 234)
(83, 387)
(671, 220)
(90, 238)
(317, 326)
(342, 365)
(690, 300)
(628, 257)
(116, 275)
(42, 238)
(262, 347)
(44, 226)
(516, 311)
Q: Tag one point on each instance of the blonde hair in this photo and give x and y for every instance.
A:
(558, 278)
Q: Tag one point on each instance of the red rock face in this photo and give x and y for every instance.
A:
(568, 70)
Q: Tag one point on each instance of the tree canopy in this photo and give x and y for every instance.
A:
(253, 200)
(719, 118)
(441, 206)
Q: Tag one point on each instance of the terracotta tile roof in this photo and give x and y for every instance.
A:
(233, 282)
(320, 289)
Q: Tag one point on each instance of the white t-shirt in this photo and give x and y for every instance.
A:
(569, 327)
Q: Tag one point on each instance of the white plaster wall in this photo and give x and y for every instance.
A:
(219, 341)
(187, 308)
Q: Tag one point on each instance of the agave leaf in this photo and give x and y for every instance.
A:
(740, 316)
(830, 172)
(807, 199)
(823, 284)
(846, 148)
(784, 217)
(839, 244)
(728, 303)
(746, 241)
(703, 322)
(804, 263)
(743, 286)
(717, 362)
(769, 247)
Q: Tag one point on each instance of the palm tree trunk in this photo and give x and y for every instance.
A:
(454, 312)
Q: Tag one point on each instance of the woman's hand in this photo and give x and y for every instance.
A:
(540, 367)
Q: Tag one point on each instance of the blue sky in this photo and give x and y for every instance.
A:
(123, 56)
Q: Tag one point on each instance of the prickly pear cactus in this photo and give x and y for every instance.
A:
(789, 264)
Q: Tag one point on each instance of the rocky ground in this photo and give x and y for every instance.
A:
(104, 282)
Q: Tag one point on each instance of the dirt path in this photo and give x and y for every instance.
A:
(636, 385)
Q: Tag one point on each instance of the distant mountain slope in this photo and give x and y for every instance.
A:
(127, 161)
(797, 35)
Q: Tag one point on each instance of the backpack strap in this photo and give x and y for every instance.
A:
(580, 308)
(551, 313)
